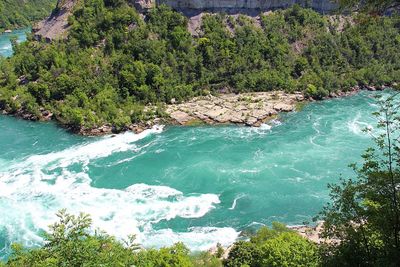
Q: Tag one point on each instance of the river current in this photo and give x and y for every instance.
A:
(200, 185)
(5, 43)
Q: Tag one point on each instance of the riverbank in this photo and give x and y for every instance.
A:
(250, 109)
(312, 233)
(247, 109)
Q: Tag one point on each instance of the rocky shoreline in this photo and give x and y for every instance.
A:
(312, 233)
(248, 109)
(251, 109)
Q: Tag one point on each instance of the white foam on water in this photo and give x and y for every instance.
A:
(265, 126)
(6, 47)
(356, 126)
(29, 202)
(198, 238)
(235, 201)
(249, 171)
(276, 122)
(158, 151)
(263, 129)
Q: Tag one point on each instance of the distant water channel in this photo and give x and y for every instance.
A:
(5, 40)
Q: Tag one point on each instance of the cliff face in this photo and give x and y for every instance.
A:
(56, 25)
(232, 5)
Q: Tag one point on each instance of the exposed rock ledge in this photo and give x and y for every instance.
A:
(250, 109)
(235, 6)
(56, 25)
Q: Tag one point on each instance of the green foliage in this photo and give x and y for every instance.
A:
(114, 63)
(364, 215)
(71, 242)
(205, 259)
(243, 254)
(278, 246)
(371, 6)
(21, 13)
(289, 249)
(177, 255)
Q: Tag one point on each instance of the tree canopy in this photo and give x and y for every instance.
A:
(114, 62)
(371, 6)
(22, 13)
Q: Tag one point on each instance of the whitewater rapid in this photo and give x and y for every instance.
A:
(33, 189)
(197, 185)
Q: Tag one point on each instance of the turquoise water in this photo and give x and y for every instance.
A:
(199, 185)
(5, 44)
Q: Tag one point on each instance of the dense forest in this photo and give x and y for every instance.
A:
(114, 62)
(22, 13)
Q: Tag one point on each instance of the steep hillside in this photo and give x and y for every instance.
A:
(21, 13)
(56, 25)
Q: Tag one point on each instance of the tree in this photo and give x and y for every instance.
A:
(371, 6)
(278, 246)
(70, 242)
(289, 250)
(363, 219)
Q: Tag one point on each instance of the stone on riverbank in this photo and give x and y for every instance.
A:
(248, 108)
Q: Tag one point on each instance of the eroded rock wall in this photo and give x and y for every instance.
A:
(56, 25)
(231, 5)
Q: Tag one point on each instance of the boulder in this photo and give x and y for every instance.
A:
(283, 107)
(181, 117)
(251, 121)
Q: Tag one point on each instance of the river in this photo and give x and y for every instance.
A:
(5, 43)
(200, 185)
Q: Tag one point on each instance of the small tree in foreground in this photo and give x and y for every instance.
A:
(363, 219)
(278, 246)
(70, 242)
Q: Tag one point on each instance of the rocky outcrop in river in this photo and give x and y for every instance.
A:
(250, 109)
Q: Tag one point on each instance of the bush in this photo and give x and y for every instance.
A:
(278, 246)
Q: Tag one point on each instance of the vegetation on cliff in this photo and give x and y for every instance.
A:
(22, 13)
(114, 62)
(370, 6)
